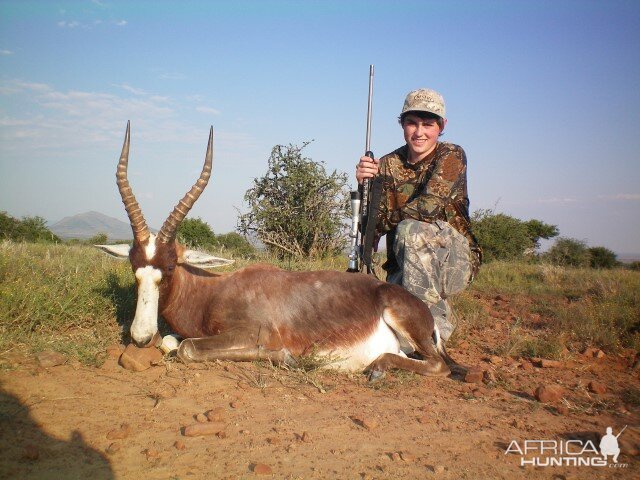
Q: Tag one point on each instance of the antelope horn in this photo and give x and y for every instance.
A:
(168, 231)
(138, 224)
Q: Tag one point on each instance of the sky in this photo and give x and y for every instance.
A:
(543, 96)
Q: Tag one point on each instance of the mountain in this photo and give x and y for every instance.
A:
(88, 224)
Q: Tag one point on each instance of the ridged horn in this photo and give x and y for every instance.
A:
(138, 223)
(168, 231)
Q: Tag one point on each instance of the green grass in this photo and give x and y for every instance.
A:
(77, 300)
(74, 300)
(586, 307)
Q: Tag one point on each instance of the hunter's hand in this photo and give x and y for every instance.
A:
(366, 168)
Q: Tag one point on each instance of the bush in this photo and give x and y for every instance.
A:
(29, 229)
(569, 252)
(235, 243)
(195, 233)
(296, 209)
(601, 257)
(503, 237)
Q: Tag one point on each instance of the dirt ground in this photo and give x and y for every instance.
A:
(75, 421)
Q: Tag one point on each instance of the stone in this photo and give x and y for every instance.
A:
(474, 376)
(113, 448)
(593, 353)
(597, 387)
(407, 457)
(370, 423)
(549, 393)
(479, 392)
(217, 414)
(545, 363)
(489, 377)
(50, 358)
(114, 351)
(179, 445)
(121, 433)
(139, 359)
(201, 418)
(151, 453)
(202, 429)
(262, 469)
(366, 422)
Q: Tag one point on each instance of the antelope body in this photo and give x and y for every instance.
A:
(262, 312)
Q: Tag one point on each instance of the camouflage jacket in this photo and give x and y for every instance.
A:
(433, 189)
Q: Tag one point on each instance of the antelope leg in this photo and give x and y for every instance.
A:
(215, 348)
(430, 366)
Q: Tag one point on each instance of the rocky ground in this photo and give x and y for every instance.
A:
(60, 419)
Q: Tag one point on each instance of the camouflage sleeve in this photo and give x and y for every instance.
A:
(447, 185)
(385, 223)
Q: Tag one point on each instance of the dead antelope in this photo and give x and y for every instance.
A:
(262, 312)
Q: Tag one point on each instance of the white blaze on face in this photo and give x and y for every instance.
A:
(145, 323)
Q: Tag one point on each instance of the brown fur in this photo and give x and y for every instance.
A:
(262, 311)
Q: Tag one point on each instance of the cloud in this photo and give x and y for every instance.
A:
(121, 23)
(74, 117)
(38, 118)
(130, 89)
(70, 24)
(558, 201)
(172, 76)
(5, 52)
(630, 197)
(209, 110)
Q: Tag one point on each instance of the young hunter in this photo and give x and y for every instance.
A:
(424, 209)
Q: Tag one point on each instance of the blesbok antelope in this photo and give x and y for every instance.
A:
(263, 312)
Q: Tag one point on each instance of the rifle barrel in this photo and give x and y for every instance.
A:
(367, 147)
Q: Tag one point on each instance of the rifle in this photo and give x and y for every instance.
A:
(364, 207)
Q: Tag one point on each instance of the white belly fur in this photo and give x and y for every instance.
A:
(360, 356)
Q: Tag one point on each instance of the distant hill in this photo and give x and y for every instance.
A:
(88, 224)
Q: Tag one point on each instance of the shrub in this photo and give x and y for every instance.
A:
(601, 257)
(297, 209)
(503, 237)
(29, 229)
(195, 233)
(235, 243)
(569, 252)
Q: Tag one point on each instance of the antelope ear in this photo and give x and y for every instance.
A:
(118, 251)
(204, 260)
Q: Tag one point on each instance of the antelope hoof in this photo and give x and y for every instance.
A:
(170, 344)
(185, 351)
(374, 375)
(289, 360)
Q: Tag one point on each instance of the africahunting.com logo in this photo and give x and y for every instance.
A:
(569, 453)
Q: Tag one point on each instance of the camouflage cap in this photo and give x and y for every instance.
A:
(424, 100)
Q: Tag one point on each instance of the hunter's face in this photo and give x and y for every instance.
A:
(421, 136)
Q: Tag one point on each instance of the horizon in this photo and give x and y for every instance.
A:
(545, 244)
(541, 95)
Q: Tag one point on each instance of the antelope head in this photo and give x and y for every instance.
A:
(154, 258)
